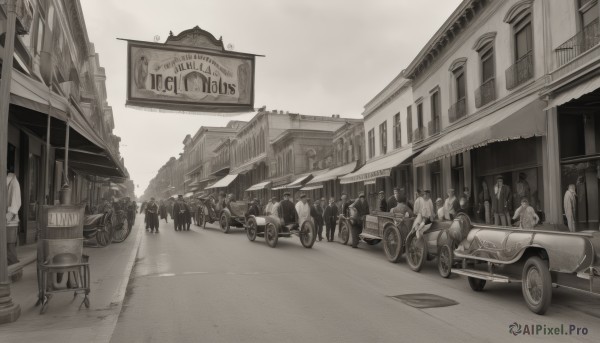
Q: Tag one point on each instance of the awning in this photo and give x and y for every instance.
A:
(512, 122)
(298, 182)
(259, 186)
(249, 165)
(224, 182)
(332, 174)
(378, 168)
(310, 188)
(575, 92)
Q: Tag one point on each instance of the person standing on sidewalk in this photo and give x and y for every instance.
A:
(162, 210)
(13, 204)
(152, 215)
(180, 210)
(330, 216)
(383, 205)
(303, 209)
(500, 202)
(570, 203)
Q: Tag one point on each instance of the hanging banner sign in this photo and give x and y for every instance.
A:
(189, 79)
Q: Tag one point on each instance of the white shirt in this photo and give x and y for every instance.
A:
(13, 199)
(303, 212)
(269, 208)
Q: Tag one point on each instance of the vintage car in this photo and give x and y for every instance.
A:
(439, 241)
(391, 229)
(345, 225)
(271, 228)
(539, 259)
(230, 216)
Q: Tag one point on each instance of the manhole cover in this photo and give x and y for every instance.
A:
(424, 300)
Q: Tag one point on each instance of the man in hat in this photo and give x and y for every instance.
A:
(330, 216)
(152, 215)
(287, 210)
(275, 208)
(317, 214)
(399, 196)
(500, 202)
(383, 205)
(181, 211)
(362, 209)
(303, 209)
(253, 209)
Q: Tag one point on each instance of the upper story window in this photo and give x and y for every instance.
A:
(409, 125)
(41, 26)
(434, 125)
(397, 131)
(371, 137)
(588, 11)
(420, 115)
(458, 91)
(519, 17)
(486, 92)
(383, 137)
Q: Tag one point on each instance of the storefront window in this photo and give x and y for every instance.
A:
(584, 176)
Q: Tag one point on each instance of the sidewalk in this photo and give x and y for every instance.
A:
(110, 269)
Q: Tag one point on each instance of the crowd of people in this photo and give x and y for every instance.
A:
(324, 213)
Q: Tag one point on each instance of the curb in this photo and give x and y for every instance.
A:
(120, 292)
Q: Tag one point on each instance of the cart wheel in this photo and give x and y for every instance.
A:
(224, 221)
(415, 252)
(344, 233)
(271, 235)
(392, 243)
(537, 285)
(476, 284)
(308, 234)
(445, 258)
(251, 229)
(121, 233)
(104, 232)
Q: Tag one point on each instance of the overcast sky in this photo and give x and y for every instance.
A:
(323, 57)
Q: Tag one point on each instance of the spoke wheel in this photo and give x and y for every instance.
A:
(251, 229)
(271, 235)
(308, 234)
(224, 222)
(445, 259)
(415, 254)
(105, 231)
(392, 243)
(344, 232)
(121, 232)
(537, 285)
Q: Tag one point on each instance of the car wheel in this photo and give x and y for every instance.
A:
(445, 258)
(537, 285)
(476, 284)
(120, 234)
(392, 243)
(415, 252)
(224, 222)
(271, 235)
(308, 234)
(251, 228)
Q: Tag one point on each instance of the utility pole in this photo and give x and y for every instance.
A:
(9, 312)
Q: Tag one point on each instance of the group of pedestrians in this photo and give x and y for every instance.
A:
(180, 210)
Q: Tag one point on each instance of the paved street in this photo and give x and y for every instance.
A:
(206, 286)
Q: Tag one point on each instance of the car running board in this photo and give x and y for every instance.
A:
(368, 236)
(479, 274)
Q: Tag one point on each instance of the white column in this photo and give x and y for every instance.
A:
(553, 190)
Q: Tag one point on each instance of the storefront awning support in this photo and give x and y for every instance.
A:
(9, 312)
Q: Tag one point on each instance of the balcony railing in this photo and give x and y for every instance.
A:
(418, 134)
(578, 44)
(519, 72)
(486, 93)
(433, 126)
(457, 110)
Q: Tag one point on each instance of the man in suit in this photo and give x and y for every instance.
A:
(152, 215)
(287, 210)
(180, 213)
(362, 209)
(253, 209)
(383, 204)
(330, 216)
(318, 218)
(500, 202)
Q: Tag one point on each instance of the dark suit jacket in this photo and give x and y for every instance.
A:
(500, 204)
(287, 212)
(318, 216)
(330, 215)
(361, 207)
(383, 205)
